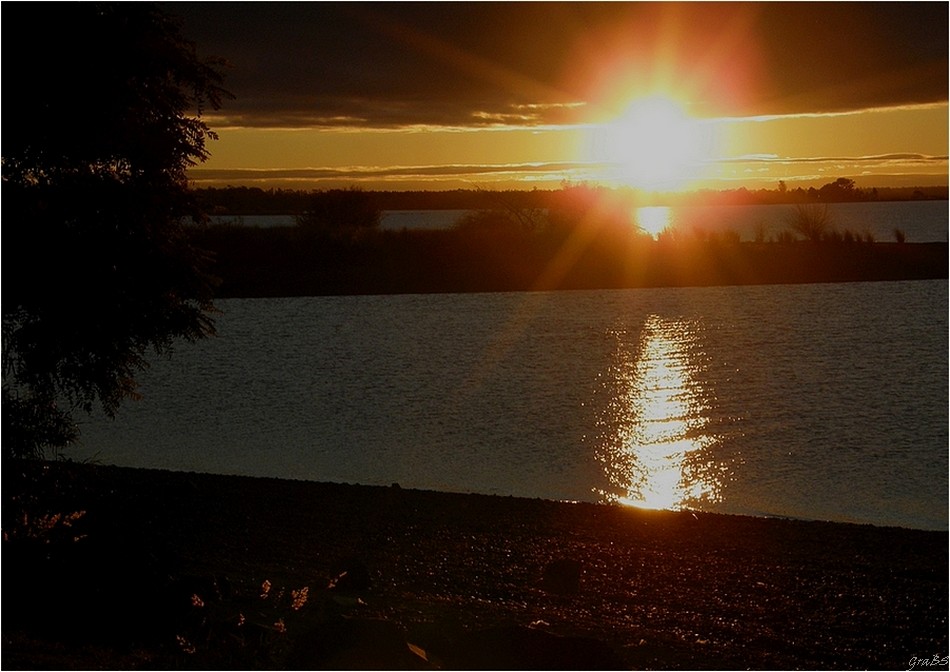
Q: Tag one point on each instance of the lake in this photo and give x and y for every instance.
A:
(826, 401)
(921, 221)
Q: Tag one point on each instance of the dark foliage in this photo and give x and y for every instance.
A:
(582, 239)
(340, 212)
(810, 220)
(105, 120)
(257, 201)
(497, 255)
(252, 201)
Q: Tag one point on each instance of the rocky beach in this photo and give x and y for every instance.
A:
(115, 568)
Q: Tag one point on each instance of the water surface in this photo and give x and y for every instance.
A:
(812, 401)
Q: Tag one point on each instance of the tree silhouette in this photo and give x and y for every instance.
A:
(341, 212)
(842, 189)
(103, 121)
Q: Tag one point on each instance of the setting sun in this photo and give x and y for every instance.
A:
(654, 144)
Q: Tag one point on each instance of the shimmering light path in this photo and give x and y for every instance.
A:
(661, 456)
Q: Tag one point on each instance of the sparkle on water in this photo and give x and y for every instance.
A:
(661, 455)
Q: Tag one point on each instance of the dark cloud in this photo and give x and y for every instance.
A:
(393, 64)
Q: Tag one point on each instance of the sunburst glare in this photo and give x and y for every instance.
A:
(654, 144)
(653, 219)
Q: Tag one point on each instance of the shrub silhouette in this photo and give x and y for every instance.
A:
(810, 220)
(340, 212)
(94, 201)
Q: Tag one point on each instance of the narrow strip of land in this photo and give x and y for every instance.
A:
(278, 262)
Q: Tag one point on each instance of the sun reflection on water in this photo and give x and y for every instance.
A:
(657, 454)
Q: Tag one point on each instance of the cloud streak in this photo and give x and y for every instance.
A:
(553, 171)
(904, 158)
(366, 172)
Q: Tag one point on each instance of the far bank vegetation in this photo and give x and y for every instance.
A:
(576, 238)
(244, 200)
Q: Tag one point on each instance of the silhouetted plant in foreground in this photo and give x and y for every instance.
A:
(340, 213)
(484, 221)
(810, 220)
(95, 192)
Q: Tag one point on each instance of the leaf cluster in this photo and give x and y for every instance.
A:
(106, 123)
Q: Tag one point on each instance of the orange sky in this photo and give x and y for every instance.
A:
(511, 95)
(883, 147)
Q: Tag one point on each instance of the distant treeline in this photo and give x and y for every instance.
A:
(256, 201)
(295, 261)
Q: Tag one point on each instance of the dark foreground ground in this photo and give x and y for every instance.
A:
(168, 570)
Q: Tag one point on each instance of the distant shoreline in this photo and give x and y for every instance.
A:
(253, 200)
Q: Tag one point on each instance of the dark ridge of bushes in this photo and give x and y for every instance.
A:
(274, 262)
(257, 201)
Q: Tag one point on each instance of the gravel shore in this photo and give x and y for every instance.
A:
(153, 569)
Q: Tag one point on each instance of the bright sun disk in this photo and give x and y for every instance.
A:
(654, 144)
